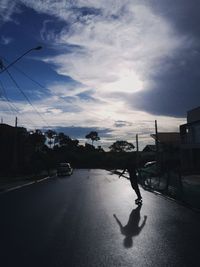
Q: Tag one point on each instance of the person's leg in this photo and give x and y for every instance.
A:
(135, 186)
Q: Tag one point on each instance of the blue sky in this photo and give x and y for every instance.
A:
(114, 66)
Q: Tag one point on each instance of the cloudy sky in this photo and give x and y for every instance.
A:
(111, 65)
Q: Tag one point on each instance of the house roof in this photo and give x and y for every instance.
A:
(151, 148)
(5, 126)
(168, 137)
(6, 129)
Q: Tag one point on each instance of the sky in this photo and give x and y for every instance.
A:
(111, 66)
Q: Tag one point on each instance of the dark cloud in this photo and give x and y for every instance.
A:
(175, 86)
(183, 14)
(175, 89)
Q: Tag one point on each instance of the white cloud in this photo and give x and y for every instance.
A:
(66, 90)
(117, 54)
(59, 112)
(121, 44)
(7, 8)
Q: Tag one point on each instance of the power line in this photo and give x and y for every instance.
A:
(12, 106)
(33, 80)
(9, 102)
(27, 76)
(25, 96)
(4, 68)
(36, 82)
(22, 92)
(30, 78)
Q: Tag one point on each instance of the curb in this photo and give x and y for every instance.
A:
(24, 185)
(182, 203)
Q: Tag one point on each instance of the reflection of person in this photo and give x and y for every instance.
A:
(131, 168)
(132, 227)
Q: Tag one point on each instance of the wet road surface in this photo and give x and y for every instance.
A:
(90, 219)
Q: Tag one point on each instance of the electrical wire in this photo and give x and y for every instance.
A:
(26, 75)
(38, 83)
(12, 106)
(9, 102)
(14, 81)
(25, 96)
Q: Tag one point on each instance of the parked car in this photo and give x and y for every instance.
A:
(149, 170)
(64, 169)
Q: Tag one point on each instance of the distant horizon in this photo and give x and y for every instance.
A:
(79, 134)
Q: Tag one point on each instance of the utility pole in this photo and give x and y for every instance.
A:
(137, 151)
(16, 120)
(4, 68)
(156, 138)
(15, 146)
(1, 120)
(137, 145)
(157, 150)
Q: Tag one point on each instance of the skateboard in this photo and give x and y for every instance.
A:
(138, 201)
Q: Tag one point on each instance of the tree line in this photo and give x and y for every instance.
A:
(24, 151)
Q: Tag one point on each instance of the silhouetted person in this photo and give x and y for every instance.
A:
(132, 227)
(131, 168)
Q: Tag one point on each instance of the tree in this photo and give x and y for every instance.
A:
(63, 139)
(100, 149)
(66, 141)
(121, 146)
(37, 139)
(50, 135)
(93, 136)
(89, 147)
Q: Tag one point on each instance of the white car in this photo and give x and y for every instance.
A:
(64, 169)
(149, 170)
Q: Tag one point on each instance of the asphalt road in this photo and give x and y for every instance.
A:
(90, 219)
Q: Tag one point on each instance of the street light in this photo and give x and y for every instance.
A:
(3, 68)
(12, 63)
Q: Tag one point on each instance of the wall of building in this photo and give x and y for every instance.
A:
(193, 115)
(190, 141)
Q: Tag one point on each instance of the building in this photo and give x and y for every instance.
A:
(190, 141)
(167, 139)
(149, 148)
(14, 147)
(168, 154)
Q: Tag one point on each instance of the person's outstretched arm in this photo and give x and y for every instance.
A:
(122, 173)
(143, 223)
(118, 221)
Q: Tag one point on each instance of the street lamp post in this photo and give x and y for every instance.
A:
(3, 68)
(12, 63)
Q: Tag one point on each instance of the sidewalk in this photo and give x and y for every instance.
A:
(186, 189)
(7, 183)
(191, 190)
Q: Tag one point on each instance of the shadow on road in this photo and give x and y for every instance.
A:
(132, 228)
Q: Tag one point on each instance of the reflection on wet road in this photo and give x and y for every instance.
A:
(90, 219)
(132, 228)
